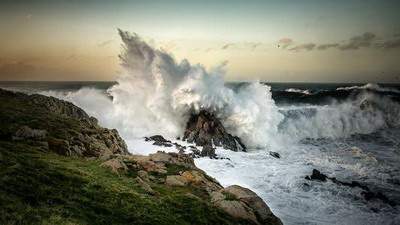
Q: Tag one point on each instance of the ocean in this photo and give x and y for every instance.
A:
(347, 131)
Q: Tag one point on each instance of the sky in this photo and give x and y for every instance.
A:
(276, 41)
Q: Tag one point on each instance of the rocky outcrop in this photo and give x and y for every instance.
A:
(56, 125)
(204, 129)
(63, 128)
(178, 170)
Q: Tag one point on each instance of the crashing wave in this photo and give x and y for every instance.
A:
(156, 95)
(372, 87)
(363, 114)
(295, 90)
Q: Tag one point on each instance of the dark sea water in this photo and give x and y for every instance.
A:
(347, 131)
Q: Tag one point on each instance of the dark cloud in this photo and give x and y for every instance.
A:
(307, 47)
(327, 46)
(104, 43)
(285, 42)
(356, 42)
(366, 40)
(389, 44)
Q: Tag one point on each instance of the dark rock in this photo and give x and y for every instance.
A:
(208, 151)
(165, 144)
(205, 129)
(367, 194)
(317, 175)
(157, 138)
(275, 155)
(180, 148)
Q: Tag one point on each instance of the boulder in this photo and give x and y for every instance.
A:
(242, 203)
(275, 155)
(237, 209)
(253, 201)
(317, 175)
(205, 129)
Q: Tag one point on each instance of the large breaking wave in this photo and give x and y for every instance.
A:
(156, 94)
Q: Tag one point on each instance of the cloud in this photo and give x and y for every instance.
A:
(285, 42)
(253, 45)
(72, 57)
(356, 42)
(16, 69)
(104, 43)
(327, 46)
(389, 44)
(226, 46)
(365, 40)
(307, 47)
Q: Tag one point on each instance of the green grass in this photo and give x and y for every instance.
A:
(38, 186)
(45, 188)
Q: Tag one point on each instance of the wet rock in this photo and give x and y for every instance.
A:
(208, 151)
(205, 129)
(275, 155)
(367, 194)
(316, 175)
(180, 148)
(157, 138)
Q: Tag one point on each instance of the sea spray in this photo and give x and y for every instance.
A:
(155, 95)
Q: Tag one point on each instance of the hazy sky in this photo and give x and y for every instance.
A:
(313, 40)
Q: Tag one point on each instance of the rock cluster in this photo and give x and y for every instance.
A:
(236, 201)
(367, 194)
(204, 129)
(207, 150)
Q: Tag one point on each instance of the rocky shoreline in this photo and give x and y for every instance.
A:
(46, 125)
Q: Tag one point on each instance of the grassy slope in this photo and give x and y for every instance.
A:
(41, 187)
